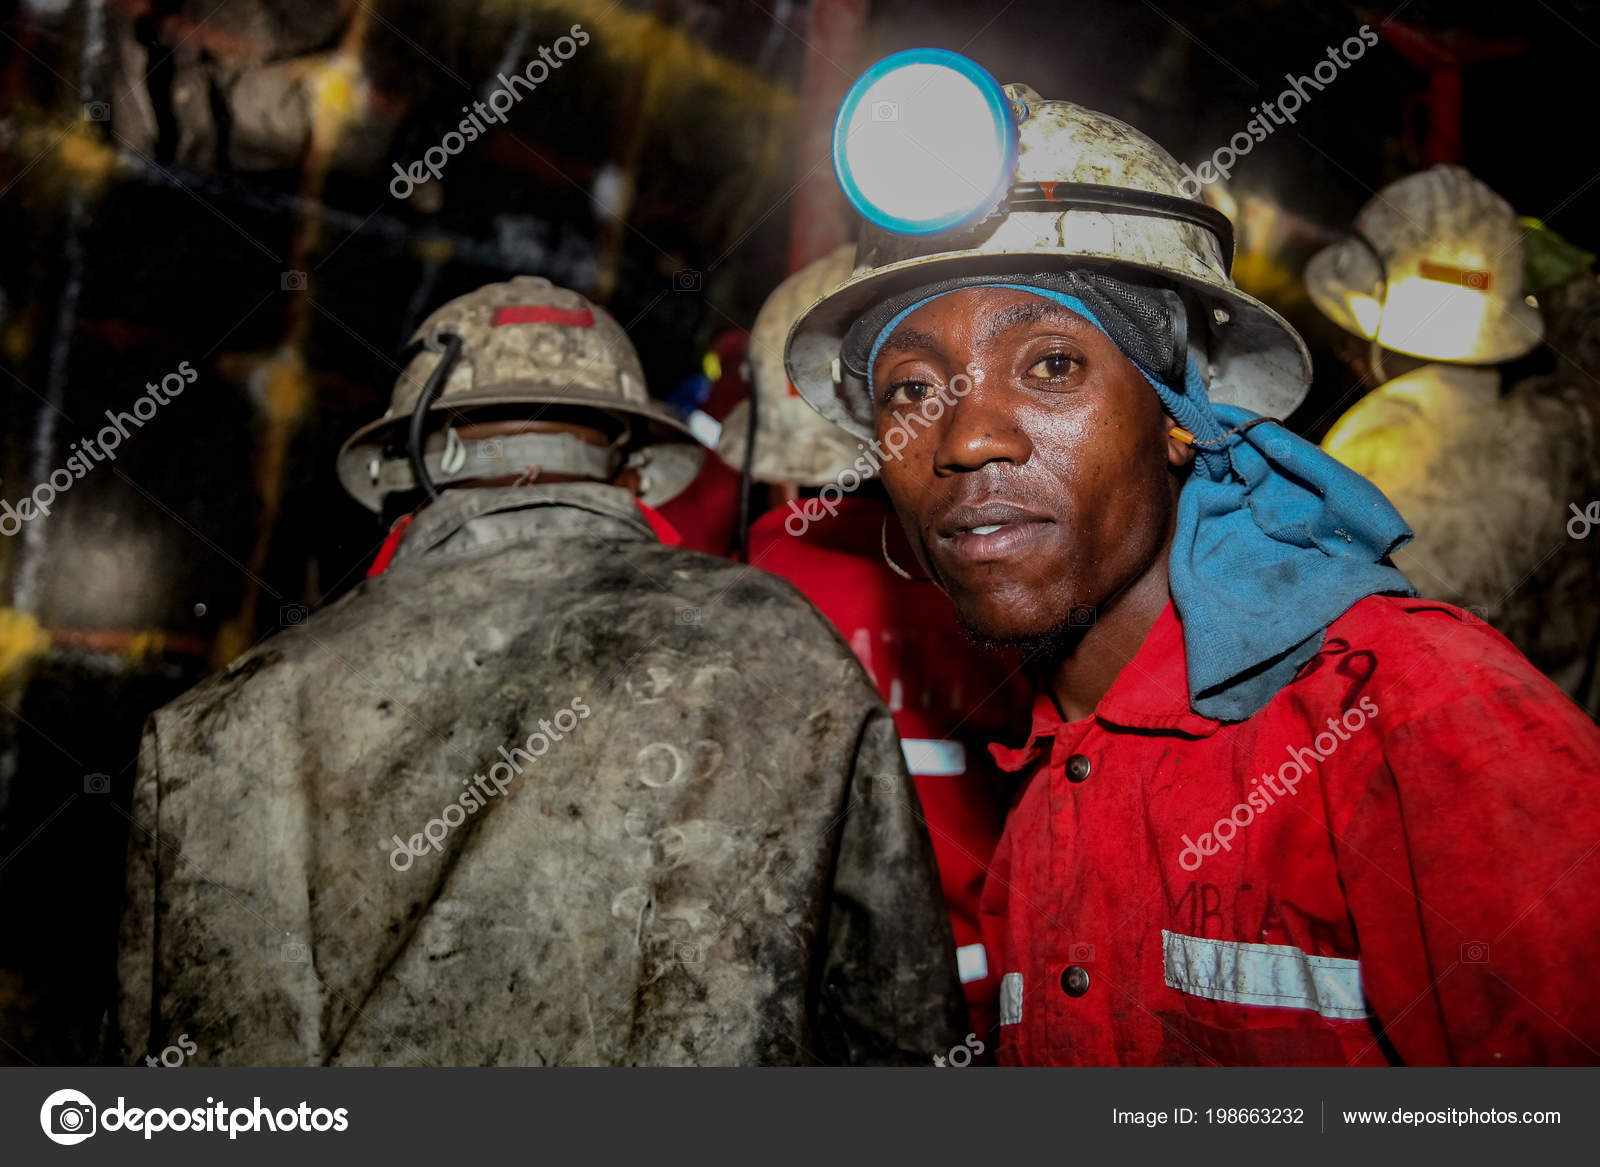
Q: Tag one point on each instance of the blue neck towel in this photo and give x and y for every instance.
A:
(1275, 541)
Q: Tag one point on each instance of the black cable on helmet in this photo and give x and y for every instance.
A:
(747, 478)
(419, 413)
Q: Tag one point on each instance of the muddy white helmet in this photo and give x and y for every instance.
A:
(959, 177)
(793, 442)
(1434, 270)
(524, 342)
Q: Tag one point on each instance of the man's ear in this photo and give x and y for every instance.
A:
(1180, 444)
(628, 478)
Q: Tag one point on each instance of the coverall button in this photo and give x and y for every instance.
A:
(1075, 980)
(1077, 767)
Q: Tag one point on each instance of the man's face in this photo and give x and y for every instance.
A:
(1044, 490)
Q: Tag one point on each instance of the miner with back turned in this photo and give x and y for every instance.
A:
(545, 789)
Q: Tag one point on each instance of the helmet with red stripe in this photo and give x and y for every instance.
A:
(522, 350)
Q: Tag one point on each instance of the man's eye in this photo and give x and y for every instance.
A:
(1054, 365)
(913, 391)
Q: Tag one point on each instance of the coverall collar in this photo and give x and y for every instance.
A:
(541, 502)
(1150, 693)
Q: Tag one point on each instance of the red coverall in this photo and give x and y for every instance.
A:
(1395, 860)
(946, 697)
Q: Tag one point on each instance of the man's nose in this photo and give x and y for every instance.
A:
(979, 429)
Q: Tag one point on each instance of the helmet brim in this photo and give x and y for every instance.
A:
(1334, 280)
(1266, 369)
(794, 447)
(680, 452)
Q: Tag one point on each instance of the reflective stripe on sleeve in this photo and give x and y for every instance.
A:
(1011, 999)
(972, 962)
(933, 757)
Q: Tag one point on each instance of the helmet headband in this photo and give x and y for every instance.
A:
(1148, 324)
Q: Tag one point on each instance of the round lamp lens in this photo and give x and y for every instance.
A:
(924, 142)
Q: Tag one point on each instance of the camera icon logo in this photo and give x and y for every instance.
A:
(296, 952)
(884, 783)
(686, 279)
(292, 614)
(689, 616)
(1080, 616)
(68, 1117)
(97, 111)
(1476, 614)
(293, 281)
(1080, 953)
(885, 111)
(1478, 281)
(491, 448)
(97, 783)
(1475, 952)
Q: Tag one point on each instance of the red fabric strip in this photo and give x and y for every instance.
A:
(1476, 279)
(391, 544)
(664, 530)
(543, 314)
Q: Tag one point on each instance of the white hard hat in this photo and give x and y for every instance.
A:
(793, 442)
(1434, 271)
(1085, 191)
(523, 342)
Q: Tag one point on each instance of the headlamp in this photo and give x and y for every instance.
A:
(926, 141)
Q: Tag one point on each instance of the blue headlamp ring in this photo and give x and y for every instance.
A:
(1122, 200)
(999, 113)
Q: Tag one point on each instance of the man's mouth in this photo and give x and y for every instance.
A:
(989, 531)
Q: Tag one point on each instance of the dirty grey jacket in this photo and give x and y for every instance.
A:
(546, 792)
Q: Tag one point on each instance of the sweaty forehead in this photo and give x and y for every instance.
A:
(920, 330)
